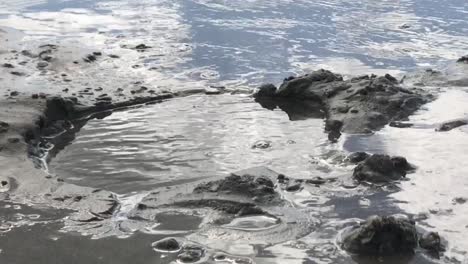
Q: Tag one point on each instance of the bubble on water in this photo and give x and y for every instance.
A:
(253, 223)
(223, 257)
(33, 216)
(5, 227)
(209, 75)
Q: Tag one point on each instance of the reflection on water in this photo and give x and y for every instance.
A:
(187, 139)
(442, 164)
(240, 44)
(244, 43)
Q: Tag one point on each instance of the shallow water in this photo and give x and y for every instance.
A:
(240, 44)
(187, 139)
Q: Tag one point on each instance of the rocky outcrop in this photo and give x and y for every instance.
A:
(431, 241)
(4, 127)
(381, 169)
(256, 183)
(463, 59)
(357, 157)
(359, 105)
(381, 236)
(447, 126)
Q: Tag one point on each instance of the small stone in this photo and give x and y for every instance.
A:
(431, 241)
(282, 178)
(463, 59)
(13, 140)
(142, 47)
(97, 53)
(90, 58)
(262, 144)
(219, 257)
(404, 26)
(357, 157)
(447, 126)
(381, 169)
(42, 64)
(14, 93)
(460, 200)
(114, 56)
(398, 124)
(4, 127)
(316, 181)
(18, 73)
(8, 65)
(166, 245)
(191, 254)
(294, 188)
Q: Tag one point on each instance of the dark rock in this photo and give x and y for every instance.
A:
(404, 26)
(104, 98)
(451, 125)
(262, 144)
(90, 58)
(28, 53)
(14, 93)
(97, 53)
(56, 127)
(282, 178)
(113, 56)
(381, 236)
(301, 86)
(357, 157)
(381, 169)
(167, 245)
(35, 96)
(460, 200)
(463, 59)
(191, 254)
(8, 65)
(255, 182)
(333, 125)
(316, 181)
(4, 127)
(431, 241)
(247, 185)
(13, 140)
(294, 188)
(142, 47)
(266, 90)
(42, 64)
(18, 73)
(400, 124)
(359, 105)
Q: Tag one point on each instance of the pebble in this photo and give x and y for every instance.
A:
(167, 245)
